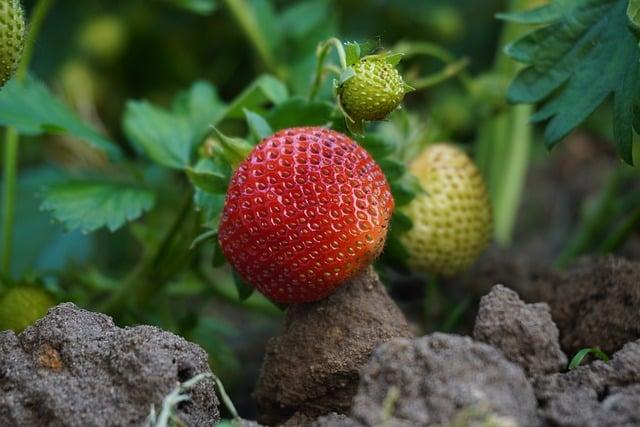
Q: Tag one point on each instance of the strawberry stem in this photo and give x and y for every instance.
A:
(323, 50)
(12, 138)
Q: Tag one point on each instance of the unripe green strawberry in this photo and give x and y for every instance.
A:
(452, 221)
(375, 90)
(21, 306)
(12, 32)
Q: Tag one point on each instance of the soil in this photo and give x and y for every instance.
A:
(429, 380)
(312, 366)
(525, 333)
(77, 368)
(595, 302)
(517, 376)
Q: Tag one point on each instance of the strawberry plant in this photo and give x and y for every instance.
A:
(163, 159)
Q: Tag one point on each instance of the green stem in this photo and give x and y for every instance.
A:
(323, 51)
(246, 18)
(510, 177)
(135, 282)
(409, 49)
(12, 138)
(451, 70)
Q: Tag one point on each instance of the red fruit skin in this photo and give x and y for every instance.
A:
(307, 210)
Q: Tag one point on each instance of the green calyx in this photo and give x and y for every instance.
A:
(370, 89)
(12, 34)
(21, 306)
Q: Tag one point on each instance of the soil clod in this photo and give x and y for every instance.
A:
(436, 379)
(312, 366)
(77, 368)
(594, 303)
(594, 395)
(525, 333)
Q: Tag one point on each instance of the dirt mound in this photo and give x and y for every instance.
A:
(433, 379)
(524, 332)
(312, 367)
(594, 395)
(76, 368)
(594, 303)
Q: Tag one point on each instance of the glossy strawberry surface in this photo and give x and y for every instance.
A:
(307, 210)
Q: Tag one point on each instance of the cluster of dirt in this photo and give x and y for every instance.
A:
(350, 361)
(312, 367)
(595, 302)
(514, 371)
(525, 333)
(77, 368)
(428, 380)
(594, 395)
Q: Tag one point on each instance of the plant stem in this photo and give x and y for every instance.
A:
(504, 145)
(246, 18)
(450, 70)
(136, 282)
(12, 138)
(409, 49)
(323, 51)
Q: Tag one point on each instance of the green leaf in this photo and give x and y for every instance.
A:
(211, 182)
(232, 150)
(202, 107)
(393, 58)
(298, 111)
(346, 74)
(218, 256)
(88, 206)
(265, 89)
(168, 137)
(580, 355)
(201, 7)
(211, 204)
(244, 289)
(633, 13)
(542, 15)
(352, 51)
(392, 169)
(400, 222)
(575, 63)
(378, 146)
(405, 189)
(39, 243)
(164, 137)
(259, 127)
(303, 17)
(33, 110)
(204, 237)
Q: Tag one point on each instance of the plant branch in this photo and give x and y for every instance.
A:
(323, 50)
(12, 138)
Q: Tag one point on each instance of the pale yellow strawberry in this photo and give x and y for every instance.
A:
(452, 221)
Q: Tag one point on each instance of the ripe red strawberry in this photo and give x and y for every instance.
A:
(307, 210)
